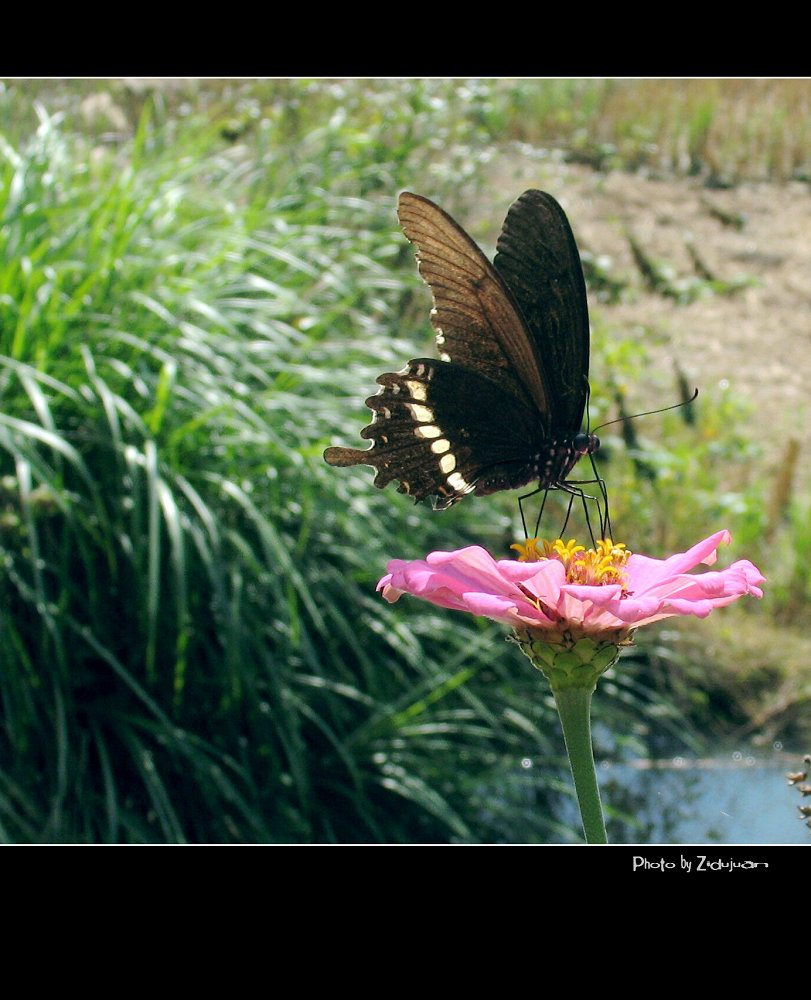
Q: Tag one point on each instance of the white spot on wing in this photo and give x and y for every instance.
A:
(458, 483)
(422, 414)
(417, 390)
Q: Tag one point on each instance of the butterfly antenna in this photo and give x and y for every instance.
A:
(648, 413)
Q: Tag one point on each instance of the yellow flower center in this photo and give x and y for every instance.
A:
(595, 567)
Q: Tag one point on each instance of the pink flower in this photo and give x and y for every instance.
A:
(594, 593)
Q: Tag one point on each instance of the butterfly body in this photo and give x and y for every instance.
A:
(503, 405)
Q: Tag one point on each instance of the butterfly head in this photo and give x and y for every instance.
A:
(585, 444)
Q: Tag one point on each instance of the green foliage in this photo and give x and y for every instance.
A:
(791, 581)
(193, 649)
(668, 474)
(192, 646)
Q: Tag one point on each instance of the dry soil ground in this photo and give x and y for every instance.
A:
(757, 339)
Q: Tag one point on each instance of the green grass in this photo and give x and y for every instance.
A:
(192, 646)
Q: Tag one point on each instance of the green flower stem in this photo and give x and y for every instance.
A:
(573, 663)
(574, 709)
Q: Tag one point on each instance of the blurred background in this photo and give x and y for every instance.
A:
(200, 281)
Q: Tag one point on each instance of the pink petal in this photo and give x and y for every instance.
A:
(646, 572)
(695, 595)
(466, 580)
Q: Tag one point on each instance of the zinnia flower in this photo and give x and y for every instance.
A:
(589, 593)
(572, 610)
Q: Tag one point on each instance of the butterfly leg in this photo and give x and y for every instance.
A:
(572, 495)
(575, 489)
(528, 496)
(602, 508)
(563, 489)
(584, 498)
(540, 514)
(605, 519)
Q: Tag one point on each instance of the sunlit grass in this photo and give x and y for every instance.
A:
(193, 647)
(725, 130)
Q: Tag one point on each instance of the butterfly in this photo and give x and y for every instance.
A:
(504, 404)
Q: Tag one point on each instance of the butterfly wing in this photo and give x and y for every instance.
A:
(538, 259)
(445, 431)
(479, 325)
(482, 418)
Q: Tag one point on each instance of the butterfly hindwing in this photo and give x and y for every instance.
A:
(435, 447)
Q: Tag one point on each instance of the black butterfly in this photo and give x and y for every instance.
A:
(504, 405)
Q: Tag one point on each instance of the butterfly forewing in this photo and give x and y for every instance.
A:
(478, 324)
(537, 257)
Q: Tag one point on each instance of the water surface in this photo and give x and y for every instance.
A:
(730, 798)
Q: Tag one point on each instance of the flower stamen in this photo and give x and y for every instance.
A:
(598, 567)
